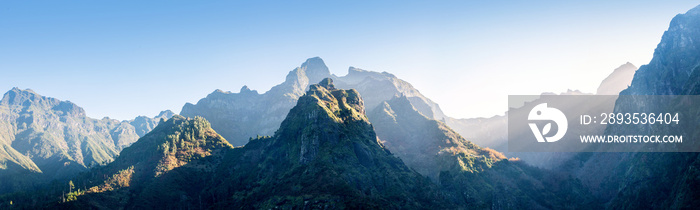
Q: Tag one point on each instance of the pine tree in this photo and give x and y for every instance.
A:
(71, 186)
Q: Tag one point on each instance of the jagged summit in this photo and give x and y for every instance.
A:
(378, 87)
(28, 98)
(327, 148)
(238, 117)
(143, 124)
(246, 90)
(618, 80)
(296, 82)
(220, 91)
(425, 149)
(324, 100)
(327, 83)
(48, 139)
(324, 155)
(355, 69)
(675, 57)
(172, 144)
(694, 11)
(17, 89)
(16, 95)
(175, 147)
(165, 114)
(322, 117)
(314, 69)
(357, 74)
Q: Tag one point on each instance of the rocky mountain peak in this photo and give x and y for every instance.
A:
(315, 69)
(628, 65)
(246, 91)
(674, 58)
(28, 98)
(18, 96)
(618, 80)
(354, 70)
(326, 117)
(143, 124)
(338, 103)
(327, 83)
(165, 114)
(172, 144)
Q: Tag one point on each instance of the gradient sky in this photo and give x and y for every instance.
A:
(127, 58)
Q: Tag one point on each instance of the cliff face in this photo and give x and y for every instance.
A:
(630, 180)
(44, 139)
(54, 138)
(240, 116)
(325, 155)
(675, 59)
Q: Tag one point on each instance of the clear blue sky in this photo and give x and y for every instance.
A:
(127, 58)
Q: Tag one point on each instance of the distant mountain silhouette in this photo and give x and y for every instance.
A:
(618, 80)
(239, 116)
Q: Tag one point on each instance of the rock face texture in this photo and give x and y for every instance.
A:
(240, 116)
(379, 87)
(675, 59)
(144, 124)
(629, 180)
(324, 155)
(44, 139)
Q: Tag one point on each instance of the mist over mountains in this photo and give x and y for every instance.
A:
(627, 176)
(322, 141)
(453, 170)
(324, 155)
(247, 113)
(493, 132)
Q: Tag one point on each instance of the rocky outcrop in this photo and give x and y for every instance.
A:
(240, 116)
(630, 180)
(618, 80)
(246, 114)
(45, 139)
(143, 124)
(325, 155)
(379, 87)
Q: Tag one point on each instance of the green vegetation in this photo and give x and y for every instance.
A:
(44, 139)
(468, 175)
(325, 155)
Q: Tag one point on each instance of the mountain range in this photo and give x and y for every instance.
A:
(363, 140)
(248, 113)
(46, 139)
(324, 155)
